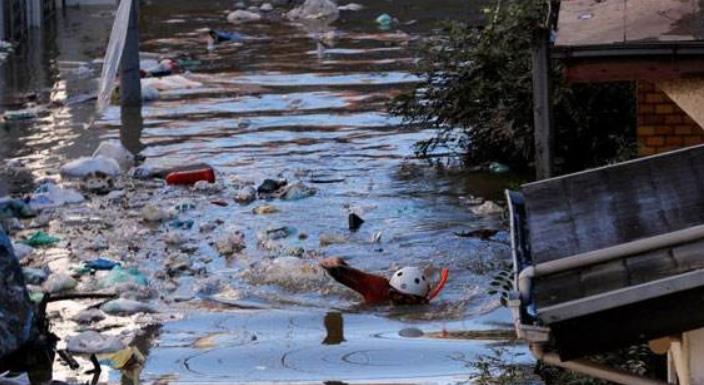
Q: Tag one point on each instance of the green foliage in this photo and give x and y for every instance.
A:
(498, 368)
(477, 93)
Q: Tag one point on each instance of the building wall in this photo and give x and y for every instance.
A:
(662, 125)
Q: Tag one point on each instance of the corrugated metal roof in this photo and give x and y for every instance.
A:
(629, 22)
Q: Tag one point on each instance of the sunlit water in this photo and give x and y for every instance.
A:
(272, 107)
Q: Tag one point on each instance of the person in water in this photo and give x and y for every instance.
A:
(408, 286)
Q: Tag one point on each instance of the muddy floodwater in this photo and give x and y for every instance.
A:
(276, 105)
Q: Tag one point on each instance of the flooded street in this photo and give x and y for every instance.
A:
(272, 106)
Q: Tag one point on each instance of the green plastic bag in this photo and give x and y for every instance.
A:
(118, 276)
(41, 238)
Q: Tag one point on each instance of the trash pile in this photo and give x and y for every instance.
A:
(128, 245)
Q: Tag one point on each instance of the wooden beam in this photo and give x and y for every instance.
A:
(600, 70)
(542, 106)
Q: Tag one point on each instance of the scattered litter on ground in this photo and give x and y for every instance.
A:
(384, 20)
(275, 233)
(324, 11)
(270, 186)
(168, 83)
(189, 177)
(83, 167)
(40, 238)
(246, 195)
(101, 264)
(124, 306)
(122, 358)
(15, 208)
(49, 195)
(179, 224)
(34, 276)
(113, 149)
(91, 342)
(59, 282)
(331, 239)
(207, 187)
(22, 251)
(487, 208)
(165, 67)
(242, 16)
(89, 316)
(173, 238)
(119, 276)
(265, 209)
(498, 168)
(297, 191)
(25, 114)
(97, 183)
(155, 214)
(351, 7)
(232, 242)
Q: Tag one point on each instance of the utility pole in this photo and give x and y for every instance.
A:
(130, 84)
(542, 105)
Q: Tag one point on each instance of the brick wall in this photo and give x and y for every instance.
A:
(662, 125)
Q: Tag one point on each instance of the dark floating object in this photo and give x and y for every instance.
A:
(326, 180)
(222, 36)
(483, 234)
(354, 221)
(270, 186)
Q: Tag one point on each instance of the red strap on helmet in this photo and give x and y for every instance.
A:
(443, 279)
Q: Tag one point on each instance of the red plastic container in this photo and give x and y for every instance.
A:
(188, 177)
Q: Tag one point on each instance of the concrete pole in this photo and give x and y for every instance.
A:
(35, 13)
(2, 20)
(130, 85)
(131, 130)
(542, 105)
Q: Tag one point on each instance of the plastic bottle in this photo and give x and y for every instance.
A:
(191, 176)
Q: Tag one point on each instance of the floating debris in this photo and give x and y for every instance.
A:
(91, 342)
(265, 209)
(40, 238)
(241, 16)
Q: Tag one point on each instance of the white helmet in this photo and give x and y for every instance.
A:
(410, 280)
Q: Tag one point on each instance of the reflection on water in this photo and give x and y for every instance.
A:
(265, 346)
(334, 324)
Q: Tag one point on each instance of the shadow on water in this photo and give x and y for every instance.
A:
(335, 327)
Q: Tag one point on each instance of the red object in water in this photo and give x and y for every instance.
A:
(191, 176)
